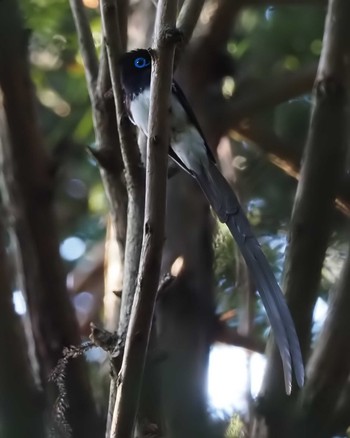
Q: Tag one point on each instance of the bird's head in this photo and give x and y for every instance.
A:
(135, 70)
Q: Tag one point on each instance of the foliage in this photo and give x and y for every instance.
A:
(235, 428)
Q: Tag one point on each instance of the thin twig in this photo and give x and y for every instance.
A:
(130, 151)
(59, 376)
(130, 378)
(102, 338)
(86, 44)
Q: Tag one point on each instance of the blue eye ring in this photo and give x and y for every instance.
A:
(141, 62)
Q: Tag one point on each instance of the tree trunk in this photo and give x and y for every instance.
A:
(22, 406)
(29, 187)
(314, 206)
(329, 367)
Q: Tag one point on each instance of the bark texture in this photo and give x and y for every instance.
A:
(52, 316)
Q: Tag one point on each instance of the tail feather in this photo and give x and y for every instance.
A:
(227, 207)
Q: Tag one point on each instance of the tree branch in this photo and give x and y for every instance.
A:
(226, 12)
(329, 366)
(271, 92)
(130, 378)
(313, 207)
(123, 10)
(230, 336)
(283, 155)
(188, 17)
(132, 161)
(107, 154)
(111, 20)
(86, 44)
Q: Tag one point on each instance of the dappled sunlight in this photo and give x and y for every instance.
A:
(233, 372)
(177, 266)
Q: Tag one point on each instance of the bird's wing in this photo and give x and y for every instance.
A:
(179, 94)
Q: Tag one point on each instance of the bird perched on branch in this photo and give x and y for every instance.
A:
(189, 150)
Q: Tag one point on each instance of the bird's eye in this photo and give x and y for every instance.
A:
(141, 62)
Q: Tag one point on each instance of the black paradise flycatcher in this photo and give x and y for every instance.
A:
(189, 150)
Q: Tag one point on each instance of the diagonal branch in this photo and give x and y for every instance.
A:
(269, 93)
(282, 154)
(130, 378)
(86, 44)
(230, 336)
(227, 11)
(188, 17)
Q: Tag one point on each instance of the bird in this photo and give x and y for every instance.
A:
(190, 151)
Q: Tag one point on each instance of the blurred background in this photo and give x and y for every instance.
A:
(248, 71)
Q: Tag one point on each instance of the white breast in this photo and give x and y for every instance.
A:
(139, 108)
(186, 141)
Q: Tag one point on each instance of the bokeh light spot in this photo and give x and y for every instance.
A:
(72, 248)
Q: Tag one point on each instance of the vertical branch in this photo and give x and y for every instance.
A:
(132, 162)
(107, 152)
(114, 38)
(86, 44)
(313, 207)
(123, 10)
(130, 378)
